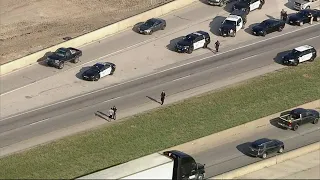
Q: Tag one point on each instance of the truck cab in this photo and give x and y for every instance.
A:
(62, 55)
(185, 167)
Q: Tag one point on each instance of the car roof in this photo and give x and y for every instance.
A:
(232, 17)
(303, 48)
(299, 111)
(261, 141)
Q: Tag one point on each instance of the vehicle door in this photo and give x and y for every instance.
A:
(239, 24)
(254, 4)
(68, 56)
(305, 55)
(271, 147)
(156, 25)
(199, 42)
(103, 71)
(268, 27)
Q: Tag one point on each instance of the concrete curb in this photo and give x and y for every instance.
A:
(95, 35)
(268, 162)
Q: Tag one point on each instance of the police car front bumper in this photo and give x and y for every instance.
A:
(288, 61)
(88, 78)
(214, 3)
(182, 49)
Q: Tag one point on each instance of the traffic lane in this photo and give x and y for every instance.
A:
(14, 132)
(111, 45)
(232, 156)
(155, 46)
(269, 52)
(297, 36)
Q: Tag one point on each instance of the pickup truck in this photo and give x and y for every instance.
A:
(303, 4)
(62, 55)
(297, 117)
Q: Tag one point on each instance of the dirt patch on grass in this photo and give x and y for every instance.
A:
(28, 26)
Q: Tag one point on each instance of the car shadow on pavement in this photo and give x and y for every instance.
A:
(278, 58)
(244, 148)
(215, 25)
(102, 115)
(152, 99)
(173, 43)
(135, 28)
(42, 60)
(249, 28)
(274, 121)
(289, 4)
(204, 1)
(83, 69)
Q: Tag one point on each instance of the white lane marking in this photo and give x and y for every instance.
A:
(138, 44)
(142, 77)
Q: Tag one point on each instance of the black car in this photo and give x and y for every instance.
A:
(99, 70)
(152, 25)
(303, 17)
(264, 147)
(298, 117)
(248, 5)
(268, 26)
(193, 41)
(62, 55)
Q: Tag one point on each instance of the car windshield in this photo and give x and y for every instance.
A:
(245, 1)
(256, 146)
(302, 14)
(61, 52)
(189, 38)
(228, 22)
(295, 53)
(95, 67)
(264, 23)
(149, 23)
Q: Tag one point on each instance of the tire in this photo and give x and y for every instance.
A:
(315, 121)
(318, 19)
(97, 77)
(260, 6)
(296, 127)
(301, 23)
(201, 177)
(163, 27)
(280, 29)
(264, 156)
(234, 34)
(247, 11)
(76, 60)
(296, 62)
(190, 50)
(264, 34)
(308, 7)
(312, 58)
(112, 72)
(61, 65)
(150, 33)
(281, 150)
(221, 3)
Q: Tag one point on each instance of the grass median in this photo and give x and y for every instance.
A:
(167, 126)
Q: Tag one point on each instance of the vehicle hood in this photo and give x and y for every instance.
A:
(227, 27)
(294, 18)
(90, 72)
(144, 27)
(54, 56)
(315, 112)
(184, 43)
(240, 5)
(258, 28)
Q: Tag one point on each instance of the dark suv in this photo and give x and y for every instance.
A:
(264, 147)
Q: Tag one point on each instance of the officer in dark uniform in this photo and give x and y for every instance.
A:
(162, 97)
(217, 46)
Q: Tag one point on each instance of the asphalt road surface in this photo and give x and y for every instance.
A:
(134, 93)
(232, 155)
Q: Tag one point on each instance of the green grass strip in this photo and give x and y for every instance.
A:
(167, 126)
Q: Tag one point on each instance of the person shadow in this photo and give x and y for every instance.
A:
(152, 99)
(102, 115)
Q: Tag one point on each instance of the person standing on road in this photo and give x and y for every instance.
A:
(311, 18)
(217, 46)
(111, 113)
(114, 112)
(285, 16)
(282, 14)
(162, 97)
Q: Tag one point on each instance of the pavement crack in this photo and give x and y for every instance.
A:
(181, 18)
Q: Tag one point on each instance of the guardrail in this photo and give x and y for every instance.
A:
(95, 35)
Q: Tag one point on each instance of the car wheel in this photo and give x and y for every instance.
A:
(163, 27)
(76, 60)
(221, 3)
(112, 72)
(264, 34)
(280, 29)
(318, 18)
(150, 33)
(312, 58)
(190, 50)
(264, 156)
(201, 177)
(315, 121)
(260, 6)
(301, 23)
(61, 65)
(296, 62)
(234, 34)
(97, 77)
(280, 150)
(308, 7)
(247, 11)
(296, 127)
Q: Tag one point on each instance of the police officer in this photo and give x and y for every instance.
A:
(114, 112)
(282, 14)
(217, 46)
(162, 97)
(285, 16)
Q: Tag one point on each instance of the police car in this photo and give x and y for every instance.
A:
(233, 23)
(248, 5)
(193, 41)
(99, 70)
(300, 54)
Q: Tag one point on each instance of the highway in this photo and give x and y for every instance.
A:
(197, 72)
(231, 155)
